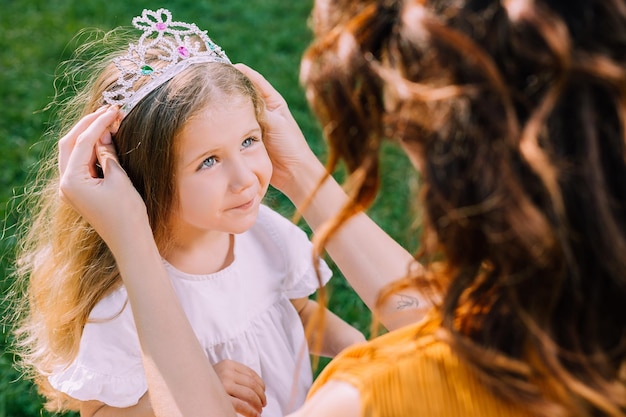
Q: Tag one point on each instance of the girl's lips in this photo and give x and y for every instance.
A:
(245, 205)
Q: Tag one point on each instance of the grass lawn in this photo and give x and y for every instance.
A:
(269, 35)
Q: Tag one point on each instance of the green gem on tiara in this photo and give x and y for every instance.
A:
(147, 70)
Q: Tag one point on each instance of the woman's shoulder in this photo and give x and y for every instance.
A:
(410, 344)
(411, 370)
(389, 352)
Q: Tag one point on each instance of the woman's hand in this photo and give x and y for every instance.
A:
(291, 155)
(244, 386)
(93, 182)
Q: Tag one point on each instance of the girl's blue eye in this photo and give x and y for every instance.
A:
(209, 162)
(248, 142)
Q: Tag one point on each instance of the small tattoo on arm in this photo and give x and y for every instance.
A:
(407, 301)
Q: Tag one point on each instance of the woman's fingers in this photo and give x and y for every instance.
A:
(78, 157)
(107, 156)
(82, 156)
(67, 142)
(273, 99)
(93, 182)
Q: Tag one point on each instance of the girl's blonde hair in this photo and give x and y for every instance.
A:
(63, 267)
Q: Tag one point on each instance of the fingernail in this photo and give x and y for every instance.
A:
(106, 139)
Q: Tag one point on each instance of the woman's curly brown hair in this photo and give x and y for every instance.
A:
(516, 113)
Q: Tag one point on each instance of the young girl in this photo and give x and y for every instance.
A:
(515, 114)
(190, 138)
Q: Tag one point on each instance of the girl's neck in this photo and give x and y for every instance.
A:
(203, 256)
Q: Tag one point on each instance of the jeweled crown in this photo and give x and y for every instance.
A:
(178, 45)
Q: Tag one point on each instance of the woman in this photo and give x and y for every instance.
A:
(514, 113)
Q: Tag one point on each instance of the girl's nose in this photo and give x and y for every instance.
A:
(242, 175)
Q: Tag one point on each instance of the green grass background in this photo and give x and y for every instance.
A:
(269, 35)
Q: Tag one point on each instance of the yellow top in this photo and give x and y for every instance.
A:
(408, 372)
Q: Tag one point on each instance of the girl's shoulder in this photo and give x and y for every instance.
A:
(270, 218)
(280, 231)
(276, 240)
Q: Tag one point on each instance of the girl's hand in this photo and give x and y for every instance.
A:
(245, 387)
(108, 201)
(284, 140)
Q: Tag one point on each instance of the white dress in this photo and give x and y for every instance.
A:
(242, 313)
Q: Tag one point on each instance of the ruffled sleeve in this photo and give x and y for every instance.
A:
(108, 367)
(301, 279)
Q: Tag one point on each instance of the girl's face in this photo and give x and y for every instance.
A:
(222, 171)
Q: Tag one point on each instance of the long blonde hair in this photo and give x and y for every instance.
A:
(63, 267)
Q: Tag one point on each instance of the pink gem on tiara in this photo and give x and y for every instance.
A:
(183, 51)
(177, 46)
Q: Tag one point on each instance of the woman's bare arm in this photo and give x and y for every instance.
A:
(366, 255)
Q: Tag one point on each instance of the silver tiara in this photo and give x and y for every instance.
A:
(179, 47)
